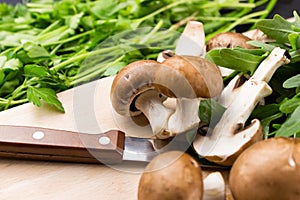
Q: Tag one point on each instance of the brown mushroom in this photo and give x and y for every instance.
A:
(171, 175)
(142, 86)
(228, 40)
(268, 169)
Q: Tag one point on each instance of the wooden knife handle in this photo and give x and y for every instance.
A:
(60, 145)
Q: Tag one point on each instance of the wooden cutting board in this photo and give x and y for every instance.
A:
(88, 110)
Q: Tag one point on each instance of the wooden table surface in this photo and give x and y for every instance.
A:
(36, 180)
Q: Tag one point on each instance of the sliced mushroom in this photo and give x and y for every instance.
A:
(192, 40)
(264, 72)
(143, 85)
(162, 56)
(229, 137)
(206, 82)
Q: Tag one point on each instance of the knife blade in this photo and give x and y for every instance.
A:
(111, 147)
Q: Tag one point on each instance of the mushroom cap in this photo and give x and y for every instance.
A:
(268, 169)
(171, 175)
(204, 78)
(228, 40)
(178, 76)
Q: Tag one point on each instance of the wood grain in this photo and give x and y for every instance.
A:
(88, 110)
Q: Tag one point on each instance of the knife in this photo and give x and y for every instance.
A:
(111, 147)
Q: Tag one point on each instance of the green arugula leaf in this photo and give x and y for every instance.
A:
(265, 46)
(291, 126)
(296, 20)
(114, 69)
(210, 111)
(266, 122)
(288, 106)
(2, 77)
(277, 28)
(35, 51)
(235, 59)
(294, 40)
(292, 82)
(35, 95)
(12, 64)
(35, 71)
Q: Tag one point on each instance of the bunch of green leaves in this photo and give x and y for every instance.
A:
(281, 113)
(47, 46)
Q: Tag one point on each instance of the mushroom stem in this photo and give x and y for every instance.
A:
(235, 116)
(267, 68)
(151, 105)
(264, 72)
(192, 40)
(185, 116)
(214, 187)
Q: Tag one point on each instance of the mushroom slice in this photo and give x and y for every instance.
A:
(214, 187)
(134, 93)
(162, 56)
(229, 137)
(192, 40)
(200, 79)
(268, 66)
(264, 72)
(142, 86)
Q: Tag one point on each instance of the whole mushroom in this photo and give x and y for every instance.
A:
(268, 169)
(228, 40)
(171, 175)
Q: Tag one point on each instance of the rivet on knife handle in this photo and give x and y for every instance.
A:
(60, 145)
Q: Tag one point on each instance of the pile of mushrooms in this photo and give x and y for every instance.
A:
(224, 143)
(142, 86)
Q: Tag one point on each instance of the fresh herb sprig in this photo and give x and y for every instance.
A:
(47, 46)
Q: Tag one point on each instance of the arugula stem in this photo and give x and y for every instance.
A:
(237, 22)
(5, 102)
(75, 37)
(153, 31)
(95, 73)
(81, 57)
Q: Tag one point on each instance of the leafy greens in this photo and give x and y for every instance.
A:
(48, 46)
